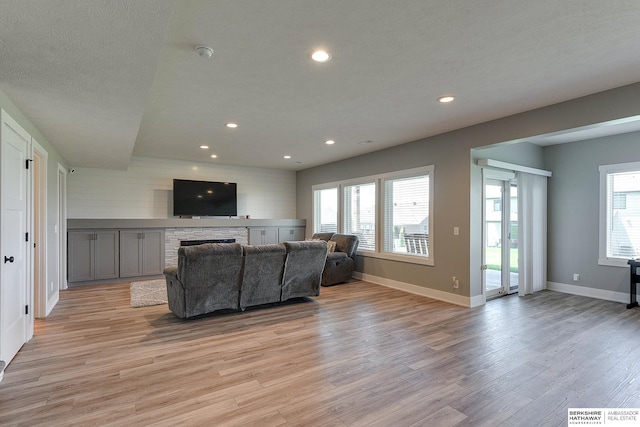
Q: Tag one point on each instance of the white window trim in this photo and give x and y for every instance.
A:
(603, 259)
(379, 180)
(326, 186)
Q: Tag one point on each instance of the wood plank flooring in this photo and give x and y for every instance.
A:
(357, 355)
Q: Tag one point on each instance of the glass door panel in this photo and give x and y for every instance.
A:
(513, 238)
(493, 237)
(500, 237)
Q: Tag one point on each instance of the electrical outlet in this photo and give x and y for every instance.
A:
(454, 282)
(576, 277)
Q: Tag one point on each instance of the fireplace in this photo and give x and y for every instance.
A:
(203, 241)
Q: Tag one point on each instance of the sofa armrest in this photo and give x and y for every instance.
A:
(171, 271)
(175, 292)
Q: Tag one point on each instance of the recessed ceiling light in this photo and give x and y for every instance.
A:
(446, 99)
(329, 142)
(204, 147)
(214, 156)
(287, 157)
(204, 51)
(232, 125)
(320, 55)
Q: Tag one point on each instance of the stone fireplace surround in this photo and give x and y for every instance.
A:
(173, 237)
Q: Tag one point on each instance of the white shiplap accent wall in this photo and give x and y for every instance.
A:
(144, 190)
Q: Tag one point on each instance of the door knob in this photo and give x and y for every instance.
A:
(9, 259)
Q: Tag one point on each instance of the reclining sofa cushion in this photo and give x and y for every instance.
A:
(303, 268)
(207, 279)
(262, 275)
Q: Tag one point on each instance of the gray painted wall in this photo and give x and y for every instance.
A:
(458, 182)
(573, 204)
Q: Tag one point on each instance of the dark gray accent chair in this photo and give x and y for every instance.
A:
(207, 279)
(339, 265)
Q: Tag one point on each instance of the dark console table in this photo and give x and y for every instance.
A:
(633, 282)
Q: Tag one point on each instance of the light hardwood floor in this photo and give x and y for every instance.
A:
(357, 355)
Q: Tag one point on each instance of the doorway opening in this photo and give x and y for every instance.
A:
(40, 229)
(500, 229)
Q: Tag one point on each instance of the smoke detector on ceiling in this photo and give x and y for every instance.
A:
(204, 51)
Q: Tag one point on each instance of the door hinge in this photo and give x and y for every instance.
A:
(26, 309)
(26, 236)
(27, 162)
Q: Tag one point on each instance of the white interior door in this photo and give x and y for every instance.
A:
(14, 226)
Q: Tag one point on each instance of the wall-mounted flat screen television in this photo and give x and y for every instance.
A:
(204, 198)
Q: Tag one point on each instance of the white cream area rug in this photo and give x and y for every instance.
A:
(148, 292)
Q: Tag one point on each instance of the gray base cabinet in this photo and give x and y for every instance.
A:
(141, 252)
(270, 235)
(291, 234)
(263, 236)
(93, 255)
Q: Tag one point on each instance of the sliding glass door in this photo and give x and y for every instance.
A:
(500, 248)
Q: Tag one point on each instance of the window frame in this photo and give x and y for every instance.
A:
(603, 220)
(328, 186)
(379, 181)
(343, 212)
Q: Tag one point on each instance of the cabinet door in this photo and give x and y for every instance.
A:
(130, 253)
(255, 236)
(263, 236)
(80, 255)
(291, 234)
(270, 236)
(106, 257)
(152, 252)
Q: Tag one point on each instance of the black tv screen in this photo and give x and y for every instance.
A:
(204, 198)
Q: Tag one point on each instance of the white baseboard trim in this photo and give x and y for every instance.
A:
(52, 303)
(420, 290)
(478, 300)
(589, 292)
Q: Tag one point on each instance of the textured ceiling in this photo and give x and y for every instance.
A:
(103, 80)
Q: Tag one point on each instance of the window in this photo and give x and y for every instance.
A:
(325, 215)
(406, 220)
(360, 213)
(619, 213)
(392, 214)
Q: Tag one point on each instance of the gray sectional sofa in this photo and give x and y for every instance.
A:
(213, 276)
